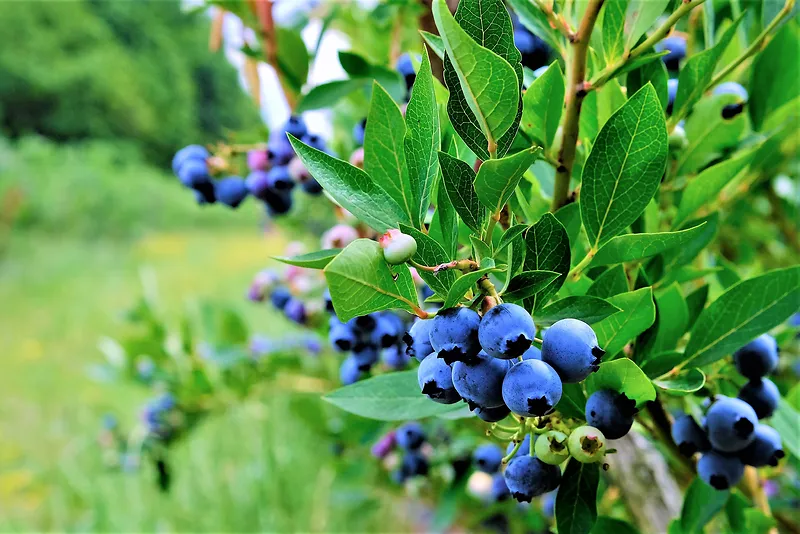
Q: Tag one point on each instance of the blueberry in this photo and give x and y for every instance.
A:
(524, 447)
(279, 297)
(531, 388)
(688, 436)
(326, 297)
(349, 372)
(672, 92)
(758, 358)
(358, 132)
(719, 471)
(480, 382)
(315, 141)
(417, 339)
(384, 446)
(388, 329)
(538, 72)
(257, 160)
(570, 347)
(410, 436)
(731, 424)
(454, 334)
(339, 236)
(204, 194)
(487, 458)
(395, 357)
(231, 191)
(278, 202)
(397, 247)
(499, 490)
(766, 448)
(295, 311)
(189, 153)
(763, 395)
(365, 324)
(366, 356)
(492, 415)
(258, 184)
(731, 88)
(535, 52)
(611, 412)
(506, 331)
(296, 126)
(280, 150)
(435, 379)
(414, 464)
(528, 477)
(587, 444)
(194, 173)
(279, 179)
(406, 69)
(549, 504)
(533, 353)
(551, 447)
(311, 186)
(676, 45)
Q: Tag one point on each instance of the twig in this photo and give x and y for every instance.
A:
(752, 486)
(575, 94)
(263, 10)
(556, 21)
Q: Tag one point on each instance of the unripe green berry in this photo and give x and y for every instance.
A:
(551, 447)
(397, 247)
(587, 444)
(678, 139)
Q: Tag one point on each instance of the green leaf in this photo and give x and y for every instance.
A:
(457, 178)
(573, 401)
(528, 283)
(684, 255)
(312, 260)
(630, 247)
(587, 309)
(700, 504)
(614, 30)
(422, 139)
(464, 284)
(384, 152)
(695, 302)
(482, 250)
(327, 94)
(654, 72)
(444, 225)
(292, 57)
(685, 382)
(624, 376)
(541, 111)
(533, 19)
(434, 42)
(786, 420)
(710, 135)
(548, 250)
(429, 252)
(624, 168)
(640, 15)
(774, 77)
(497, 178)
(742, 313)
(663, 363)
(570, 217)
(361, 282)
(612, 282)
(353, 64)
(637, 315)
(610, 525)
(698, 70)
(488, 100)
(576, 501)
(672, 318)
(510, 235)
(352, 188)
(388, 397)
(706, 186)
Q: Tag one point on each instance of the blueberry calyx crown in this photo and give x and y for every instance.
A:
(625, 405)
(743, 427)
(539, 406)
(718, 482)
(432, 390)
(518, 345)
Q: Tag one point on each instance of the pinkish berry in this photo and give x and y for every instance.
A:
(339, 236)
(257, 160)
(397, 247)
(357, 158)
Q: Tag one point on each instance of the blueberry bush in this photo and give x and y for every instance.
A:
(564, 264)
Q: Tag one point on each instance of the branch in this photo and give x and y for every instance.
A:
(752, 487)
(556, 21)
(575, 94)
(263, 10)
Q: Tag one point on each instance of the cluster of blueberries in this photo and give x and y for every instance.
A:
(368, 339)
(730, 436)
(409, 438)
(274, 172)
(161, 417)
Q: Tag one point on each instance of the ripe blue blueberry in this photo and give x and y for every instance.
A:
(311, 186)
(349, 372)
(506, 331)
(531, 388)
(295, 310)
(388, 329)
(395, 357)
(611, 412)
(528, 477)
(766, 448)
(193, 173)
(366, 355)
(480, 381)
(410, 436)
(435, 379)
(533, 353)
(204, 194)
(315, 141)
(672, 92)
(189, 153)
(719, 471)
(277, 202)
(499, 490)
(406, 69)
(296, 126)
(326, 298)
(454, 334)
(676, 45)
(570, 347)
(758, 358)
(279, 150)
(231, 191)
(417, 339)
(358, 132)
(414, 464)
(279, 297)
(535, 52)
(762, 394)
(258, 184)
(688, 436)
(732, 88)
(731, 424)
(492, 415)
(279, 179)
(487, 458)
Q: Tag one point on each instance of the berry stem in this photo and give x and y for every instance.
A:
(576, 271)
(263, 9)
(752, 487)
(513, 452)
